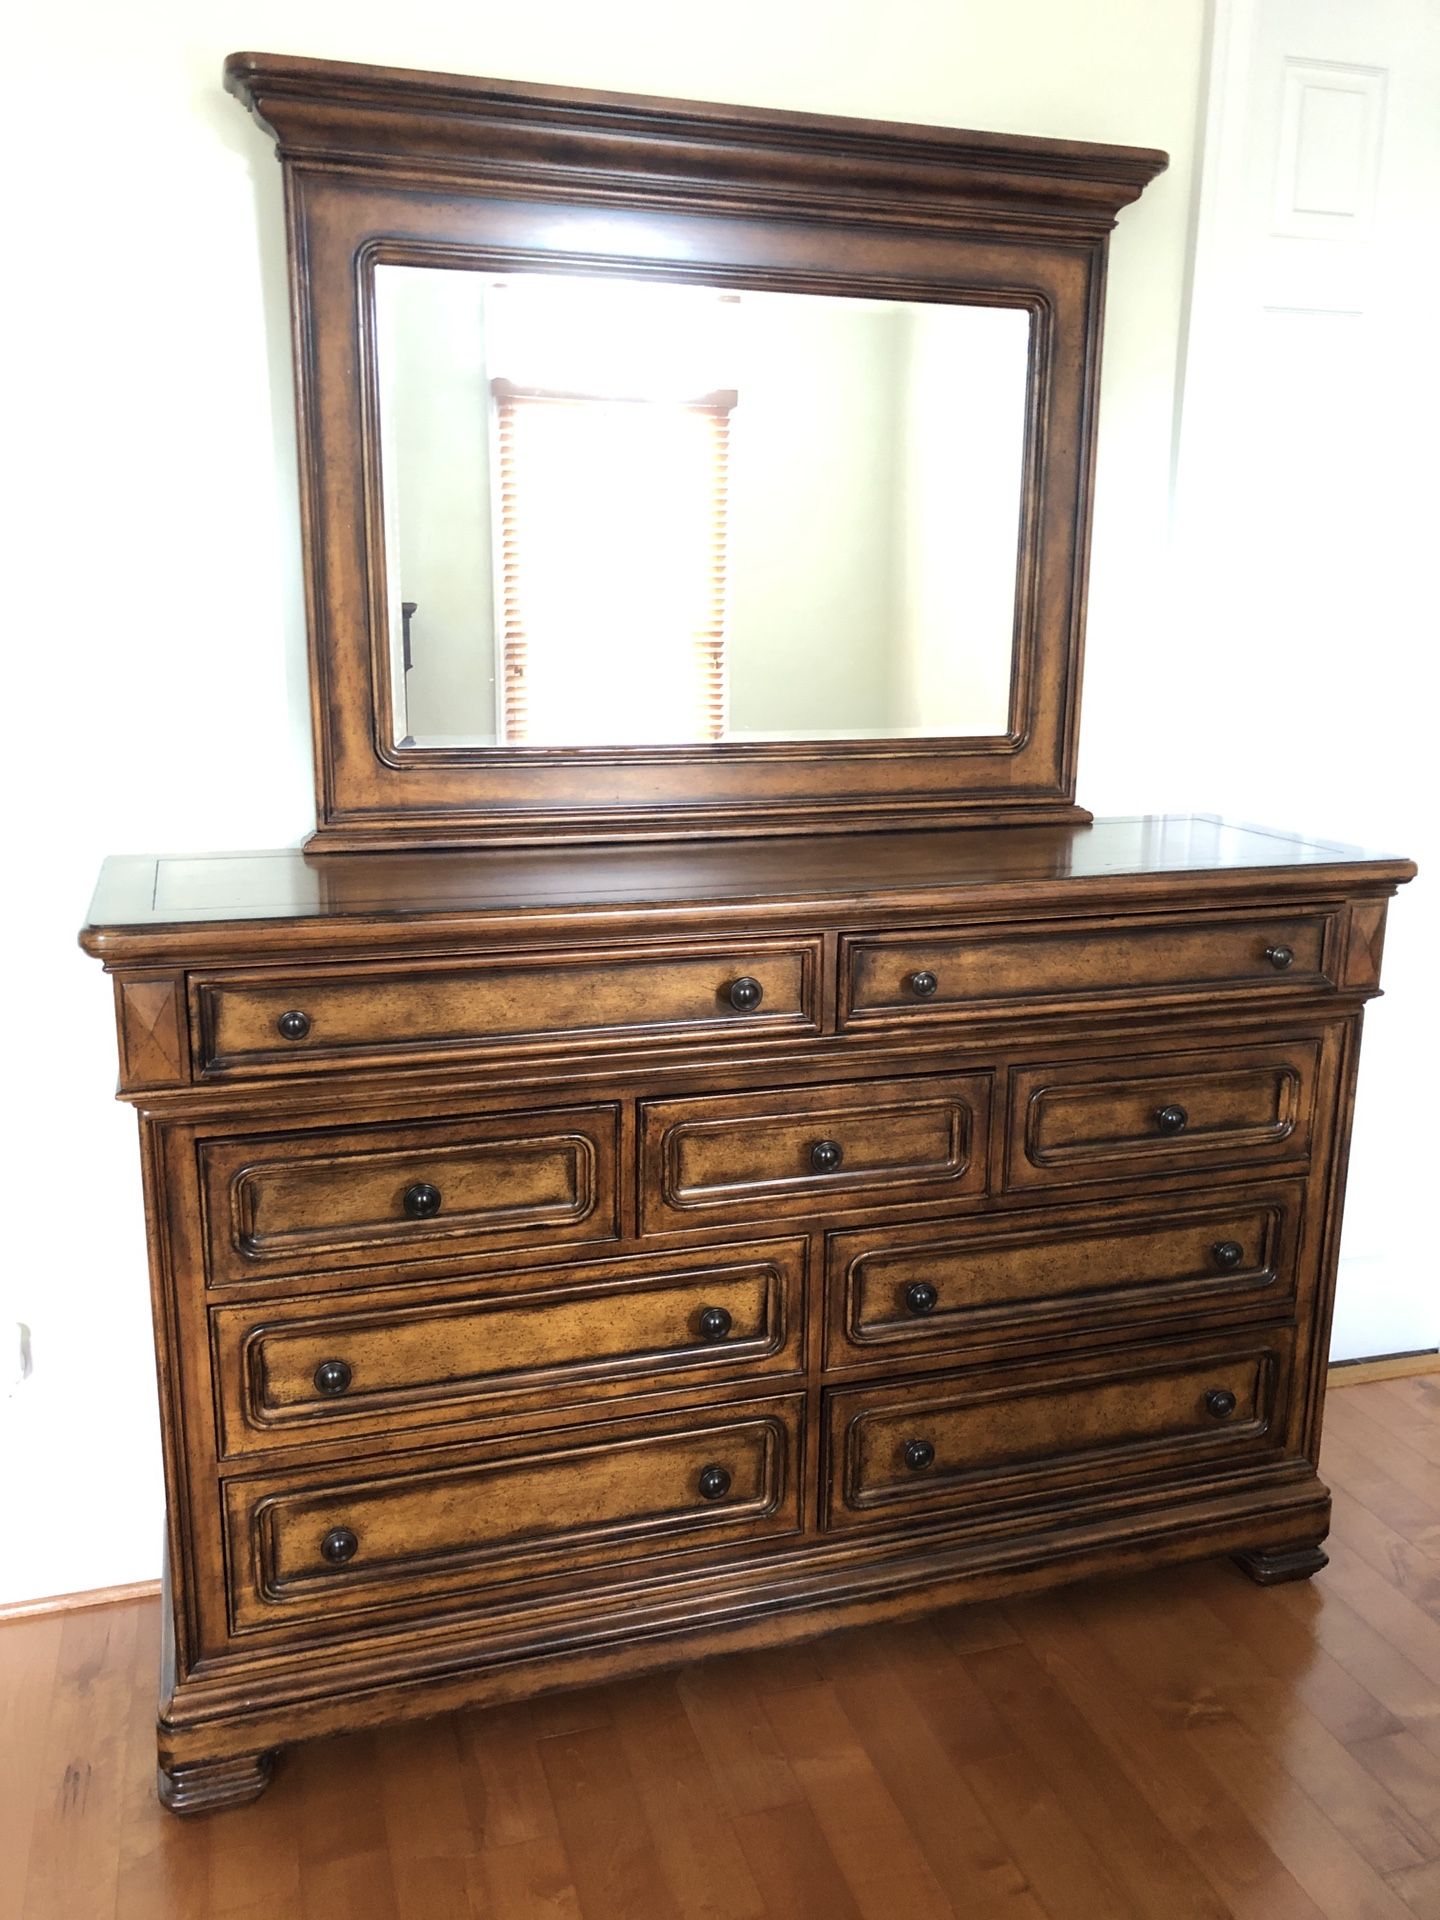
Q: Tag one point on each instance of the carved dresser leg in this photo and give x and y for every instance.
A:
(204, 1786)
(1268, 1566)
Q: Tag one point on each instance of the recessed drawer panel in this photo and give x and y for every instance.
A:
(952, 1285)
(1161, 1113)
(548, 1337)
(812, 1150)
(928, 976)
(345, 1197)
(325, 1547)
(283, 1022)
(954, 1444)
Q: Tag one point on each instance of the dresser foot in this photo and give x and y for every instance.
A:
(205, 1786)
(1268, 1566)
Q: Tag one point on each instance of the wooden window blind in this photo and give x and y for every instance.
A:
(613, 537)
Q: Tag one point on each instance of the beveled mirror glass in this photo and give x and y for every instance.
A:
(621, 512)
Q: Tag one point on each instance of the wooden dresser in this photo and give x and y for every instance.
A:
(565, 1263)
(709, 1141)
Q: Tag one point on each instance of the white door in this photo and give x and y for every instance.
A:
(1308, 531)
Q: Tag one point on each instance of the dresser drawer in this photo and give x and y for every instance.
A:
(954, 1444)
(1161, 1113)
(549, 1337)
(889, 978)
(276, 1023)
(963, 1284)
(338, 1197)
(323, 1548)
(812, 1150)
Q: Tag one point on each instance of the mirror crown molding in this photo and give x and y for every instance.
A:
(581, 145)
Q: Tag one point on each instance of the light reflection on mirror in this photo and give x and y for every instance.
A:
(623, 511)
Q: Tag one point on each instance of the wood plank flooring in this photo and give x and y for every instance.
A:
(1180, 1745)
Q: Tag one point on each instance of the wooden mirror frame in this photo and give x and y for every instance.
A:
(387, 165)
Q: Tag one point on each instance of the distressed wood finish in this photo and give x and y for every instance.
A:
(395, 1013)
(508, 1403)
(1161, 1110)
(546, 1339)
(567, 1261)
(334, 1198)
(977, 1442)
(488, 1525)
(383, 166)
(958, 973)
(816, 1150)
(930, 1290)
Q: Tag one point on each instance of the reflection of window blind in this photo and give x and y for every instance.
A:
(613, 554)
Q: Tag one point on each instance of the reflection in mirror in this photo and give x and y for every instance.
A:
(619, 512)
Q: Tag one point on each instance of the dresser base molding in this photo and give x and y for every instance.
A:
(1270, 1566)
(218, 1734)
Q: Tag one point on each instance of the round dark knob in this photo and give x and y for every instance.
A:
(333, 1376)
(1280, 957)
(826, 1155)
(1172, 1119)
(422, 1201)
(339, 1545)
(918, 1455)
(1220, 1403)
(746, 994)
(1228, 1253)
(714, 1323)
(714, 1483)
(924, 983)
(293, 1025)
(920, 1297)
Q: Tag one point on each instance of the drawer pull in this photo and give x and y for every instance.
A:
(1228, 1253)
(918, 1455)
(920, 1296)
(714, 1483)
(422, 1201)
(333, 1376)
(1171, 1119)
(826, 1155)
(924, 983)
(746, 993)
(1280, 957)
(339, 1545)
(715, 1323)
(293, 1025)
(1220, 1403)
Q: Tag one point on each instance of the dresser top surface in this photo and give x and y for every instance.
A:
(150, 894)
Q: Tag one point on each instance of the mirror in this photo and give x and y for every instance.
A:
(799, 414)
(629, 511)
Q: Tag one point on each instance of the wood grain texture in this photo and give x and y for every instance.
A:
(150, 1021)
(1169, 1744)
(152, 908)
(77, 1602)
(386, 167)
(435, 1143)
(459, 1453)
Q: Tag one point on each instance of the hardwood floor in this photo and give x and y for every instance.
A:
(1182, 1745)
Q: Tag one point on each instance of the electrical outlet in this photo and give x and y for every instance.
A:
(19, 1363)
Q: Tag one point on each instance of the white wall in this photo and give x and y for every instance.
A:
(153, 536)
(435, 417)
(957, 516)
(811, 559)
